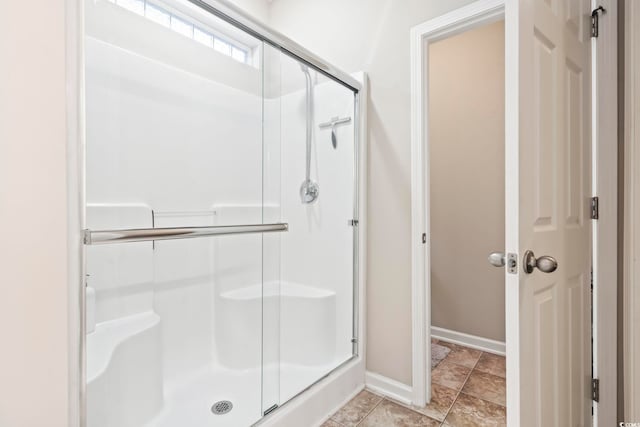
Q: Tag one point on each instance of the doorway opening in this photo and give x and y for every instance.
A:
(465, 202)
(557, 137)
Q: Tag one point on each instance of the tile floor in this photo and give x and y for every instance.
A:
(468, 390)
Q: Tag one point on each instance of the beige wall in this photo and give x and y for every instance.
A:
(33, 216)
(466, 130)
(373, 36)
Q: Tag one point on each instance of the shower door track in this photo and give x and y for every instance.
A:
(101, 237)
(227, 11)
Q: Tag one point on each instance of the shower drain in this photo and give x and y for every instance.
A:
(222, 407)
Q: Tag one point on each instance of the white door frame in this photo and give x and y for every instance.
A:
(479, 13)
(605, 230)
(632, 212)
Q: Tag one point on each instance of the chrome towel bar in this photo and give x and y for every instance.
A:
(101, 237)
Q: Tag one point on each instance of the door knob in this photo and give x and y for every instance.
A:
(497, 259)
(546, 264)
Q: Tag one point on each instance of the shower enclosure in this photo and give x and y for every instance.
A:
(214, 294)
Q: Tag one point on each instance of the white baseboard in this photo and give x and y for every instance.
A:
(389, 388)
(472, 341)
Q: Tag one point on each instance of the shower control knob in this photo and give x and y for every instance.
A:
(309, 191)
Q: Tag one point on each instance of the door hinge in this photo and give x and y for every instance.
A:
(424, 238)
(595, 18)
(595, 208)
(353, 222)
(595, 390)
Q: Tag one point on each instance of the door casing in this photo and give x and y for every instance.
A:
(477, 14)
(604, 134)
(604, 56)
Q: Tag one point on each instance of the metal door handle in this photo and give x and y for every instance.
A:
(545, 263)
(497, 259)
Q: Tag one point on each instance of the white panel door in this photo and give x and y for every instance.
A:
(548, 164)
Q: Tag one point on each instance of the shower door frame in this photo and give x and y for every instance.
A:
(351, 371)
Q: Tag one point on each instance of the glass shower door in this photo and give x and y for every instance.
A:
(202, 144)
(174, 146)
(310, 170)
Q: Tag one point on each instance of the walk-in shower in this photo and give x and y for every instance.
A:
(213, 295)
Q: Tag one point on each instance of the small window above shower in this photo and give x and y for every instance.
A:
(217, 35)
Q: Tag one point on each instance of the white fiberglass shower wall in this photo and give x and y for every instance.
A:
(192, 122)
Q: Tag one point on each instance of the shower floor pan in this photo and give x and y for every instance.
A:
(188, 403)
(130, 347)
